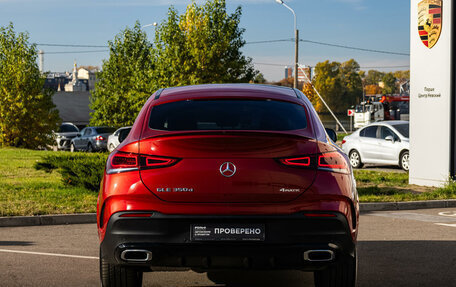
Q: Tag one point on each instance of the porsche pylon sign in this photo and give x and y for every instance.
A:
(430, 21)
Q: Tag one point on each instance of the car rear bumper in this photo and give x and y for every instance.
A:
(289, 243)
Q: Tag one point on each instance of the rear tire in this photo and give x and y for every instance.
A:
(112, 275)
(90, 148)
(342, 274)
(355, 159)
(404, 161)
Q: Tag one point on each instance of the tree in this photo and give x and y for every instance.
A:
(259, 79)
(339, 84)
(27, 113)
(373, 90)
(126, 81)
(203, 45)
(389, 83)
(310, 93)
(373, 77)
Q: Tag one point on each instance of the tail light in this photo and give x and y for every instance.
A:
(330, 161)
(123, 162)
(99, 138)
(298, 161)
(343, 141)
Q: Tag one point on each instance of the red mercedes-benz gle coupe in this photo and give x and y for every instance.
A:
(229, 176)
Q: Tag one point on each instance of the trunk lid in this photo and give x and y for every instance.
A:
(228, 167)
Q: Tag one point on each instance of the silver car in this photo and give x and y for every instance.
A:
(380, 143)
(64, 135)
(117, 137)
(91, 139)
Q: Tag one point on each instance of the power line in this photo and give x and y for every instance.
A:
(256, 42)
(76, 52)
(270, 41)
(285, 65)
(71, 45)
(354, 48)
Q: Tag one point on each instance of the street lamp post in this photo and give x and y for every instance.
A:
(148, 25)
(295, 82)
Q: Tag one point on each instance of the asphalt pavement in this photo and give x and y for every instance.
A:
(396, 248)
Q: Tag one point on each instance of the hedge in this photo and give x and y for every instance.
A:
(77, 169)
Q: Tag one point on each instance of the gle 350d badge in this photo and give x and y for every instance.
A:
(430, 21)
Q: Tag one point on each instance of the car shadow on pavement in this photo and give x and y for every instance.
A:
(406, 263)
(16, 243)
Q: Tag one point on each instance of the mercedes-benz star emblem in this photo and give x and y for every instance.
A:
(227, 169)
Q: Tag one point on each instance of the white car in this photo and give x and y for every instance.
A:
(117, 137)
(380, 143)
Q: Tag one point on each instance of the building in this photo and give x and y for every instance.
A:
(288, 72)
(56, 81)
(73, 107)
(75, 85)
(88, 76)
(305, 74)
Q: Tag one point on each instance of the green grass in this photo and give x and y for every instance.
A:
(379, 186)
(340, 136)
(27, 191)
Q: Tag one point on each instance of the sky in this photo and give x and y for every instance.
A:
(369, 24)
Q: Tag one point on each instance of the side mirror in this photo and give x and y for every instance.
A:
(78, 135)
(390, 139)
(332, 134)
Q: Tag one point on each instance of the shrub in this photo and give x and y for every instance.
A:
(83, 170)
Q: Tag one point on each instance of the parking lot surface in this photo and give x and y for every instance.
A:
(396, 248)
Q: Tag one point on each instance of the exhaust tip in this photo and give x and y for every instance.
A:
(319, 255)
(136, 255)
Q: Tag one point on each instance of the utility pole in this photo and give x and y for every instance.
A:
(295, 82)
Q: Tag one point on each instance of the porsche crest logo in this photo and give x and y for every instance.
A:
(430, 21)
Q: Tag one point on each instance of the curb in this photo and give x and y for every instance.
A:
(406, 205)
(63, 219)
(60, 219)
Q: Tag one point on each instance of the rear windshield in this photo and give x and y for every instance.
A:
(105, 130)
(228, 115)
(68, 129)
(403, 129)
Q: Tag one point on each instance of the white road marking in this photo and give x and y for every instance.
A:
(48, 254)
(415, 216)
(445, 224)
(448, 213)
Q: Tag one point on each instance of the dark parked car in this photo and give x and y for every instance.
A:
(91, 139)
(64, 135)
(228, 177)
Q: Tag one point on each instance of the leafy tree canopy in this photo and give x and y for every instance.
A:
(126, 81)
(338, 83)
(27, 113)
(201, 46)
